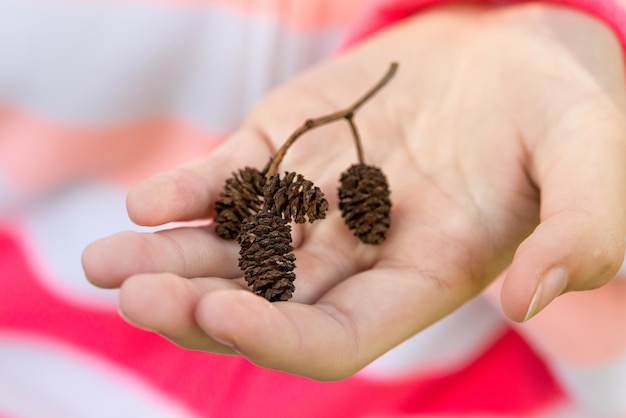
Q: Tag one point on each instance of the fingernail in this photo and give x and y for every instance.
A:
(551, 285)
(228, 344)
(123, 316)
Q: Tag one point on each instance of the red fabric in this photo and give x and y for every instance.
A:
(385, 12)
(506, 379)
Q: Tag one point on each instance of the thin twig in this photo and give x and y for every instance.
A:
(347, 113)
(357, 138)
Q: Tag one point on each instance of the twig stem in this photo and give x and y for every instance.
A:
(347, 114)
(357, 139)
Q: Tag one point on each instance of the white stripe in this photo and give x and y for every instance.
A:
(446, 345)
(8, 197)
(57, 230)
(41, 378)
(111, 61)
(565, 409)
(601, 390)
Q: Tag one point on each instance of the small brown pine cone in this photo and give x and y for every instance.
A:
(364, 202)
(266, 256)
(241, 198)
(295, 197)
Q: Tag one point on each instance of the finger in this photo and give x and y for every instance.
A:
(285, 336)
(361, 317)
(579, 243)
(187, 252)
(355, 323)
(188, 192)
(165, 303)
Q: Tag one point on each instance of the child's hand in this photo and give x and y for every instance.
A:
(503, 137)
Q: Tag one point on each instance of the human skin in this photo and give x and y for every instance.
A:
(503, 136)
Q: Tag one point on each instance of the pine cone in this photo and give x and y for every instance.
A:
(240, 199)
(295, 198)
(364, 202)
(266, 256)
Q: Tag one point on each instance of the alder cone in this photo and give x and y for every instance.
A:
(241, 198)
(295, 197)
(364, 202)
(266, 256)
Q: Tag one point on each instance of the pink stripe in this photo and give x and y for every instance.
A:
(230, 386)
(294, 13)
(299, 14)
(385, 12)
(37, 154)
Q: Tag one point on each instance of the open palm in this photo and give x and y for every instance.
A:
(484, 134)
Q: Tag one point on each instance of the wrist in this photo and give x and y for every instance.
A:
(382, 13)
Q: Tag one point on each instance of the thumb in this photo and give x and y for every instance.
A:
(580, 169)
